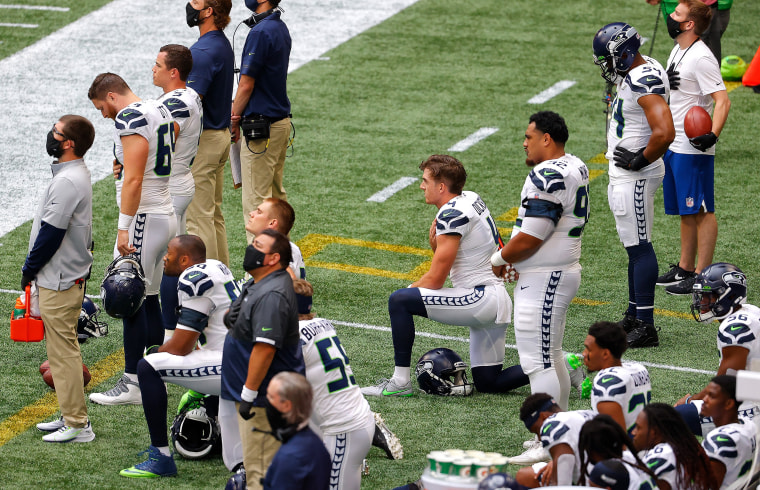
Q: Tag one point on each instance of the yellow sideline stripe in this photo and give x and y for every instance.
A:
(47, 406)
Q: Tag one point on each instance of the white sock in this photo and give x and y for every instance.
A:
(401, 375)
(164, 450)
(131, 377)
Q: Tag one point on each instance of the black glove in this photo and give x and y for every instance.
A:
(629, 160)
(674, 78)
(26, 279)
(245, 409)
(704, 142)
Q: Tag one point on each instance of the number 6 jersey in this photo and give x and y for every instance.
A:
(151, 120)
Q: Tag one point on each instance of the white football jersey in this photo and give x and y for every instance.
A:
(151, 120)
(565, 428)
(339, 405)
(700, 77)
(629, 127)
(562, 182)
(207, 289)
(662, 461)
(741, 329)
(733, 445)
(627, 385)
(187, 110)
(639, 479)
(467, 216)
(297, 264)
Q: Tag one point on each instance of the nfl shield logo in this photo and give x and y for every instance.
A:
(689, 202)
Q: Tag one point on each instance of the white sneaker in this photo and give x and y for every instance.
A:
(51, 426)
(386, 440)
(71, 434)
(535, 453)
(387, 387)
(126, 392)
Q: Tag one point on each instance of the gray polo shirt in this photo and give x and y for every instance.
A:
(67, 205)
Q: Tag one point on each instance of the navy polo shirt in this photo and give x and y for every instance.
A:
(265, 59)
(212, 77)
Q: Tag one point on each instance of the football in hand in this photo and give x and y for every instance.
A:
(47, 376)
(697, 122)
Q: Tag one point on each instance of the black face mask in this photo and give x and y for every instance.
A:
(192, 15)
(674, 27)
(281, 429)
(253, 258)
(53, 146)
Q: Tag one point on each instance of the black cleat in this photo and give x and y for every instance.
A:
(628, 322)
(643, 335)
(386, 440)
(682, 288)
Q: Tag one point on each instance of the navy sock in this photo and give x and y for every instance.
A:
(154, 401)
(135, 335)
(154, 326)
(644, 262)
(403, 304)
(491, 379)
(631, 310)
(169, 301)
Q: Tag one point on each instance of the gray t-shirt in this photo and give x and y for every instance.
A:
(67, 205)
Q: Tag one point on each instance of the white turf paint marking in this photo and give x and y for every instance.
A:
(552, 91)
(28, 108)
(384, 194)
(35, 7)
(22, 26)
(475, 137)
(509, 346)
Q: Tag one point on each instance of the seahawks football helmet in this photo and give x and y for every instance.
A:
(615, 48)
(442, 372)
(717, 289)
(195, 433)
(499, 481)
(89, 325)
(123, 289)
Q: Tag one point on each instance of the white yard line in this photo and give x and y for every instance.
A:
(474, 138)
(34, 7)
(21, 26)
(552, 91)
(509, 346)
(32, 99)
(383, 195)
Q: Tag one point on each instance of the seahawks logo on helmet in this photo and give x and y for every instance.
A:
(442, 372)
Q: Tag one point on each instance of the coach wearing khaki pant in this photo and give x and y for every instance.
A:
(59, 260)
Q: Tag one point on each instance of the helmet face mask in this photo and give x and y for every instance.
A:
(89, 325)
(442, 372)
(123, 288)
(615, 48)
(194, 433)
(718, 289)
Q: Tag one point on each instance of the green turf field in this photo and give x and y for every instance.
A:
(412, 86)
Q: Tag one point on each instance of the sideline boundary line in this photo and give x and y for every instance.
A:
(430, 335)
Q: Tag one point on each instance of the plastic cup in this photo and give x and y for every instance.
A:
(460, 468)
(480, 468)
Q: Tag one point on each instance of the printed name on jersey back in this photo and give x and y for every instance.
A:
(314, 328)
(640, 378)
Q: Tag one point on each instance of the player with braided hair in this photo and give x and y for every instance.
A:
(671, 451)
(601, 439)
